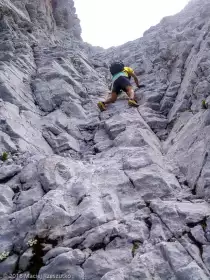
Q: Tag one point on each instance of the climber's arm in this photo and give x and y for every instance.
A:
(135, 79)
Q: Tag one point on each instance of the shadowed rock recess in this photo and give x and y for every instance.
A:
(118, 195)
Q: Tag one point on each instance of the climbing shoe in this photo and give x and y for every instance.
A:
(101, 106)
(133, 103)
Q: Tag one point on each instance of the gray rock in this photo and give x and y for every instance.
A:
(133, 271)
(177, 127)
(116, 129)
(61, 142)
(176, 255)
(194, 251)
(25, 259)
(12, 88)
(193, 213)
(198, 234)
(24, 128)
(54, 253)
(100, 136)
(189, 148)
(7, 145)
(102, 141)
(138, 161)
(166, 104)
(29, 173)
(152, 182)
(114, 275)
(207, 230)
(152, 96)
(155, 120)
(56, 171)
(103, 146)
(29, 197)
(127, 188)
(66, 264)
(206, 255)
(8, 265)
(159, 231)
(98, 234)
(137, 231)
(7, 172)
(154, 260)
(74, 110)
(6, 197)
(51, 94)
(182, 212)
(6, 46)
(133, 137)
(103, 261)
(63, 123)
(192, 272)
(51, 216)
(202, 186)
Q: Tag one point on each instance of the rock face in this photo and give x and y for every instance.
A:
(118, 195)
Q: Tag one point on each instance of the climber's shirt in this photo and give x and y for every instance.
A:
(127, 72)
(120, 74)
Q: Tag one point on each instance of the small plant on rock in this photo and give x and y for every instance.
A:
(136, 245)
(32, 242)
(4, 156)
(204, 104)
(3, 256)
(203, 224)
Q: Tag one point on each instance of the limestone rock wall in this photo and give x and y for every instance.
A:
(118, 195)
(172, 60)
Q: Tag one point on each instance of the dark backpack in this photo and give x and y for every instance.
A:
(116, 67)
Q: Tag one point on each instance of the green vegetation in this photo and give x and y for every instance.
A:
(32, 242)
(3, 256)
(136, 245)
(204, 104)
(4, 156)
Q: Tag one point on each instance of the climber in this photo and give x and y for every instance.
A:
(121, 76)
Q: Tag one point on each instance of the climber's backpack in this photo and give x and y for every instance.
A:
(116, 67)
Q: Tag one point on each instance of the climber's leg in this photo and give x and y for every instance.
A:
(112, 99)
(131, 94)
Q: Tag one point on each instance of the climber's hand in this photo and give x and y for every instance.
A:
(141, 86)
